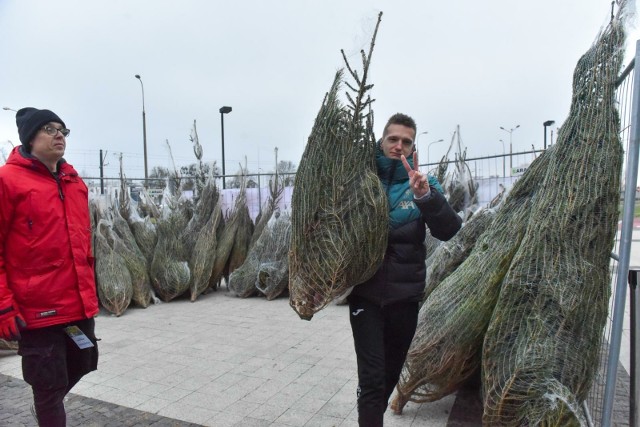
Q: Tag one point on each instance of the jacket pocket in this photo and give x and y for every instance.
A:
(44, 367)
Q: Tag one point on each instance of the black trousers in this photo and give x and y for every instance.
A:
(52, 364)
(382, 336)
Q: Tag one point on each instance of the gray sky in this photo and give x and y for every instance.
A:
(477, 64)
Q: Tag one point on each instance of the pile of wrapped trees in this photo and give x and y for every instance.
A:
(143, 250)
(146, 253)
(339, 208)
(266, 268)
(529, 303)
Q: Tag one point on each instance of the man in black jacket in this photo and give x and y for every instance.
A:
(384, 309)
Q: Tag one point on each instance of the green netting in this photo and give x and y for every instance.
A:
(112, 276)
(227, 237)
(541, 350)
(205, 205)
(266, 267)
(241, 241)
(449, 255)
(276, 188)
(203, 254)
(124, 243)
(452, 321)
(169, 272)
(546, 255)
(339, 208)
(273, 268)
(145, 234)
(458, 181)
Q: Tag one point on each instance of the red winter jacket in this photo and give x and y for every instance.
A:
(46, 266)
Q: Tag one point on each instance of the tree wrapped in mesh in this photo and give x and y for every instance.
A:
(203, 254)
(145, 234)
(227, 237)
(206, 199)
(431, 244)
(458, 182)
(141, 217)
(244, 232)
(266, 268)
(276, 188)
(242, 282)
(449, 255)
(541, 349)
(123, 242)
(446, 348)
(114, 284)
(273, 268)
(146, 207)
(170, 274)
(339, 219)
(201, 175)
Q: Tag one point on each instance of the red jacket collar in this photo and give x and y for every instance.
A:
(19, 157)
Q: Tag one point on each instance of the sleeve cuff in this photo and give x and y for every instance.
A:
(425, 197)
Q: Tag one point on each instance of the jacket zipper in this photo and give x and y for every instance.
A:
(57, 177)
(385, 286)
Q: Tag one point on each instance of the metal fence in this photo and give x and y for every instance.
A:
(610, 402)
(628, 98)
(490, 173)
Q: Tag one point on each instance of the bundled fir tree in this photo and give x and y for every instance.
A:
(339, 209)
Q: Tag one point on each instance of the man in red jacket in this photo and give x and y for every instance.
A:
(47, 287)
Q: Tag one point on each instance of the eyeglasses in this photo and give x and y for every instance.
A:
(53, 131)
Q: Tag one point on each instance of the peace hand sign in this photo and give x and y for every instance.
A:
(417, 180)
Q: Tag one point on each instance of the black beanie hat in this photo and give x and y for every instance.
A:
(30, 120)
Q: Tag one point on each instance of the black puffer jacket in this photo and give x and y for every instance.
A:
(401, 276)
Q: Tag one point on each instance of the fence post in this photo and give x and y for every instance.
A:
(259, 194)
(631, 178)
(633, 288)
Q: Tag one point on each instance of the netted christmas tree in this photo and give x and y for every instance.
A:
(530, 302)
(446, 348)
(541, 350)
(273, 268)
(113, 279)
(339, 208)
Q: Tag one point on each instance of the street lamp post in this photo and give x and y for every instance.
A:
(144, 132)
(510, 132)
(429, 147)
(223, 111)
(544, 126)
(504, 174)
(418, 140)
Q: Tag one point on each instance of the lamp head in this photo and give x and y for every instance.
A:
(138, 76)
(548, 123)
(225, 110)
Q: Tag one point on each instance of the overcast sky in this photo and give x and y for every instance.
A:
(477, 64)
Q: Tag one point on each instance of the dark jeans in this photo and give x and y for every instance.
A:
(382, 336)
(52, 364)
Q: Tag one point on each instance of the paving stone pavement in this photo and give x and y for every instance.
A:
(224, 361)
(220, 361)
